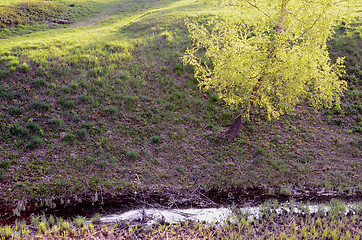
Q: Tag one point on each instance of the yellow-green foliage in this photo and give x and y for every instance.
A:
(27, 11)
(268, 54)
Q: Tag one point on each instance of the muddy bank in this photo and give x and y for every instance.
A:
(88, 206)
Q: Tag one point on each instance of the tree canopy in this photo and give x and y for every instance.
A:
(268, 54)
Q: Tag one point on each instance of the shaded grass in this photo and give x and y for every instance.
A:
(25, 12)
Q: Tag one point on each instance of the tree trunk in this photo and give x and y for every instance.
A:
(233, 129)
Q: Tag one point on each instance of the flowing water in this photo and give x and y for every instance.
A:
(218, 215)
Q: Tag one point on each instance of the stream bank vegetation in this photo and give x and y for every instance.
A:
(106, 107)
(270, 224)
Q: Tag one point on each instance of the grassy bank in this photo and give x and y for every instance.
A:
(105, 106)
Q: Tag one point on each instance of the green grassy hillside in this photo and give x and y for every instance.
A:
(105, 106)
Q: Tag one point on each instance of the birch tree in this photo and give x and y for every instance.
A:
(268, 54)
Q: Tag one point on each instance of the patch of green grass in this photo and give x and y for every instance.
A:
(15, 110)
(132, 155)
(55, 122)
(69, 137)
(39, 82)
(82, 133)
(66, 103)
(111, 109)
(39, 105)
(35, 142)
(15, 129)
(4, 164)
(156, 139)
(33, 127)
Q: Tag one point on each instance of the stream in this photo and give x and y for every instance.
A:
(152, 216)
(171, 207)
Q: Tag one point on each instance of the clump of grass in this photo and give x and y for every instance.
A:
(15, 110)
(214, 97)
(67, 104)
(156, 139)
(35, 142)
(124, 74)
(132, 155)
(84, 98)
(38, 82)
(79, 222)
(130, 102)
(66, 89)
(4, 73)
(4, 164)
(96, 218)
(82, 133)
(110, 109)
(17, 130)
(24, 67)
(69, 137)
(39, 105)
(259, 151)
(56, 122)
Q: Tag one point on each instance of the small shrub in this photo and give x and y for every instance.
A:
(35, 220)
(96, 72)
(337, 109)
(13, 63)
(96, 218)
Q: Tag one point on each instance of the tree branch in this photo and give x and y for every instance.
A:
(253, 5)
(311, 26)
